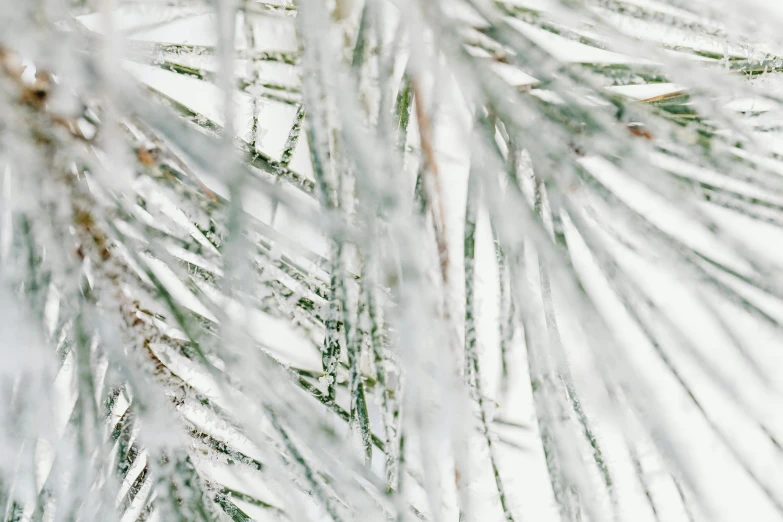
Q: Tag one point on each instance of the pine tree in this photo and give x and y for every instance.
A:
(390, 260)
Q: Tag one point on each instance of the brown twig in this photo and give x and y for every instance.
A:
(432, 181)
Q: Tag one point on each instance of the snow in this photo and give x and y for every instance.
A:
(726, 354)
